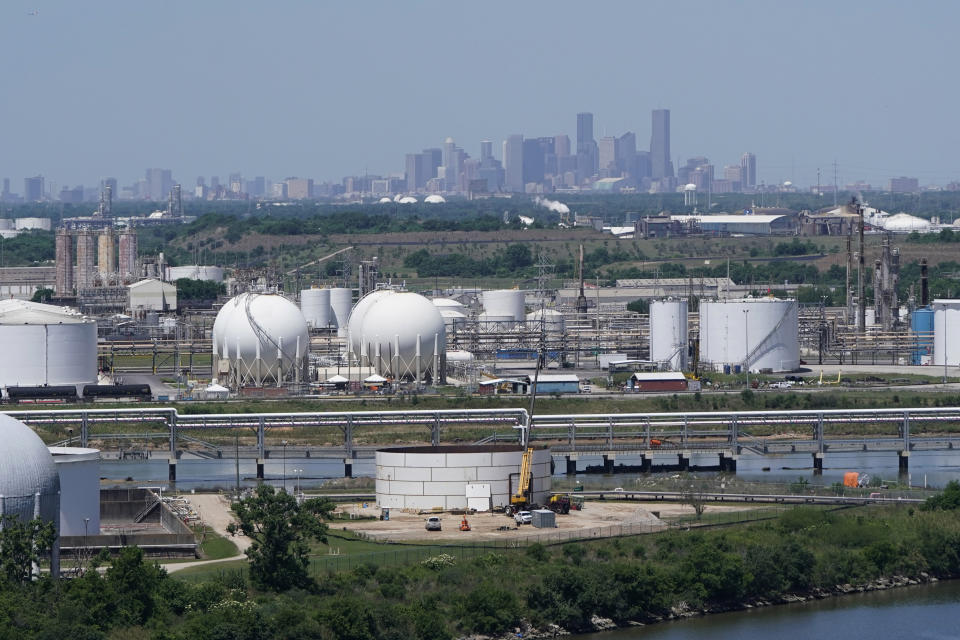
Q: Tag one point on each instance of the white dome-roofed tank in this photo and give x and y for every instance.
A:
(551, 320)
(403, 335)
(315, 306)
(29, 482)
(446, 303)
(355, 321)
(504, 302)
(761, 333)
(668, 333)
(434, 199)
(46, 345)
(263, 337)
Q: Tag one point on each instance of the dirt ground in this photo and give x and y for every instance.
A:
(595, 519)
(214, 511)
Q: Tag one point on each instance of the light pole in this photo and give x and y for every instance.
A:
(284, 443)
(86, 549)
(746, 345)
(297, 489)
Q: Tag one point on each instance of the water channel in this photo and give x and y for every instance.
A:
(927, 611)
(933, 469)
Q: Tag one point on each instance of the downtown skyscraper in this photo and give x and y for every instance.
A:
(660, 164)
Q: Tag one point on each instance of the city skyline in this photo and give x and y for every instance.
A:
(323, 91)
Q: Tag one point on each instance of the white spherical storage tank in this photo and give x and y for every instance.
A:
(79, 471)
(29, 483)
(315, 306)
(504, 302)
(263, 336)
(760, 333)
(357, 345)
(437, 477)
(946, 332)
(668, 333)
(341, 301)
(400, 333)
(46, 345)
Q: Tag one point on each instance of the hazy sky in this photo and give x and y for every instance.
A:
(327, 89)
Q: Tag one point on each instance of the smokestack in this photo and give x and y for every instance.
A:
(861, 266)
(924, 289)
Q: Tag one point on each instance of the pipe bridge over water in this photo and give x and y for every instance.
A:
(726, 434)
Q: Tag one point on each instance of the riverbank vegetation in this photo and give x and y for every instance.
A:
(642, 578)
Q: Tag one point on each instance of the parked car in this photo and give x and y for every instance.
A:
(781, 385)
(523, 517)
(433, 523)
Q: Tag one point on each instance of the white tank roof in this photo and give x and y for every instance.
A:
(434, 199)
(26, 312)
(446, 302)
(905, 222)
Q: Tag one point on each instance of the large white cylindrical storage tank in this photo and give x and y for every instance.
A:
(504, 302)
(262, 335)
(46, 345)
(315, 306)
(550, 320)
(355, 321)
(452, 318)
(668, 333)
(946, 332)
(195, 272)
(341, 301)
(399, 333)
(447, 303)
(760, 333)
(437, 477)
(79, 471)
(459, 355)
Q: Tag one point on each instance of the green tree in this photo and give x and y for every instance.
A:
(42, 295)
(280, 529)
(22, 545)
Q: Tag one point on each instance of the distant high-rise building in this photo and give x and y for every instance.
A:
(748, 171)
(607, 149)
(159, 183)
(486, 150)
(660, 164)
(586, 146)
(453, 158)
(537, 154)
(489, 169)
(299, 188)
(903, 185)
(627, 154)
(33, 189)
(513, 163)
(236, 183)
(561, 145)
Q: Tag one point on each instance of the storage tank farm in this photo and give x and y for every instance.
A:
(398, 333)
(946, 332)
(761, 334)
(315, 305)
(260, 339)
(46, 345)
(669, 333)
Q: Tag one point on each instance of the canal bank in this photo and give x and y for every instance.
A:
(928, 610)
